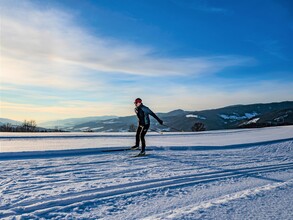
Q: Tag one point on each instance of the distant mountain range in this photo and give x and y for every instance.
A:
(6, 120)
(236, 116)
(71, 122)
(213, 119)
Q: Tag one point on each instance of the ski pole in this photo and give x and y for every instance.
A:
(172, 128)
(156, 131)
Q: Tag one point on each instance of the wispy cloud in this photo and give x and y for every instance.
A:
(45, 47)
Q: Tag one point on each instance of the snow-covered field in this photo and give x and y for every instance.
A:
(232, 174)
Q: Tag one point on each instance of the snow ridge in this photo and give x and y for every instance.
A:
(177, 213)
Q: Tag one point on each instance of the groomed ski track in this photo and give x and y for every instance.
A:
(171, 183)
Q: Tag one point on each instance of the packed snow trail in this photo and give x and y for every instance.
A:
(37, 142)
(209, 182)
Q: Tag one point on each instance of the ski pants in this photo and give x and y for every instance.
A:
(140, 133)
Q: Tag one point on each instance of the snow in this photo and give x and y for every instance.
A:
(84, 128)
(110, 122)
(97, 128)
(251, 115)
(231, 174)
(185, 211)
(195, 116)
(281, 117)
(252, 121)
(236, 116)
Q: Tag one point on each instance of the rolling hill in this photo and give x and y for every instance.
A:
(214, 119)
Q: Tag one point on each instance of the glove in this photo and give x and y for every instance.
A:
(161, 122)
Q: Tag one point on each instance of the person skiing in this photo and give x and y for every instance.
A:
(143, 113)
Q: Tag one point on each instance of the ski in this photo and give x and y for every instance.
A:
(121, 150)
(141, 154)
(138, 155)
(117, 150)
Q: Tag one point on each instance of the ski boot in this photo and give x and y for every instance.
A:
(134, 148)
(142, 153)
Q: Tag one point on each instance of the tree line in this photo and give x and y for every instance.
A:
(26, 126)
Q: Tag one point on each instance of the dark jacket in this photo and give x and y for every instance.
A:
(143, 113)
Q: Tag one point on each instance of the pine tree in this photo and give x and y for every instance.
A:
(198, 126)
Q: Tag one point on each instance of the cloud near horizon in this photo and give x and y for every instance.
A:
(184, 97)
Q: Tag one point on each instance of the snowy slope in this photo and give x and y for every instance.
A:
(236, 174)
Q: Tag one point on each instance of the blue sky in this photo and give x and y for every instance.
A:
(62, 59)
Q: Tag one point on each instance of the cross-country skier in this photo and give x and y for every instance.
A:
(142, 113)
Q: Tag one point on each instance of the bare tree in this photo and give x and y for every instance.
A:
(6, 127)
(29, 126)
(33, 125)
